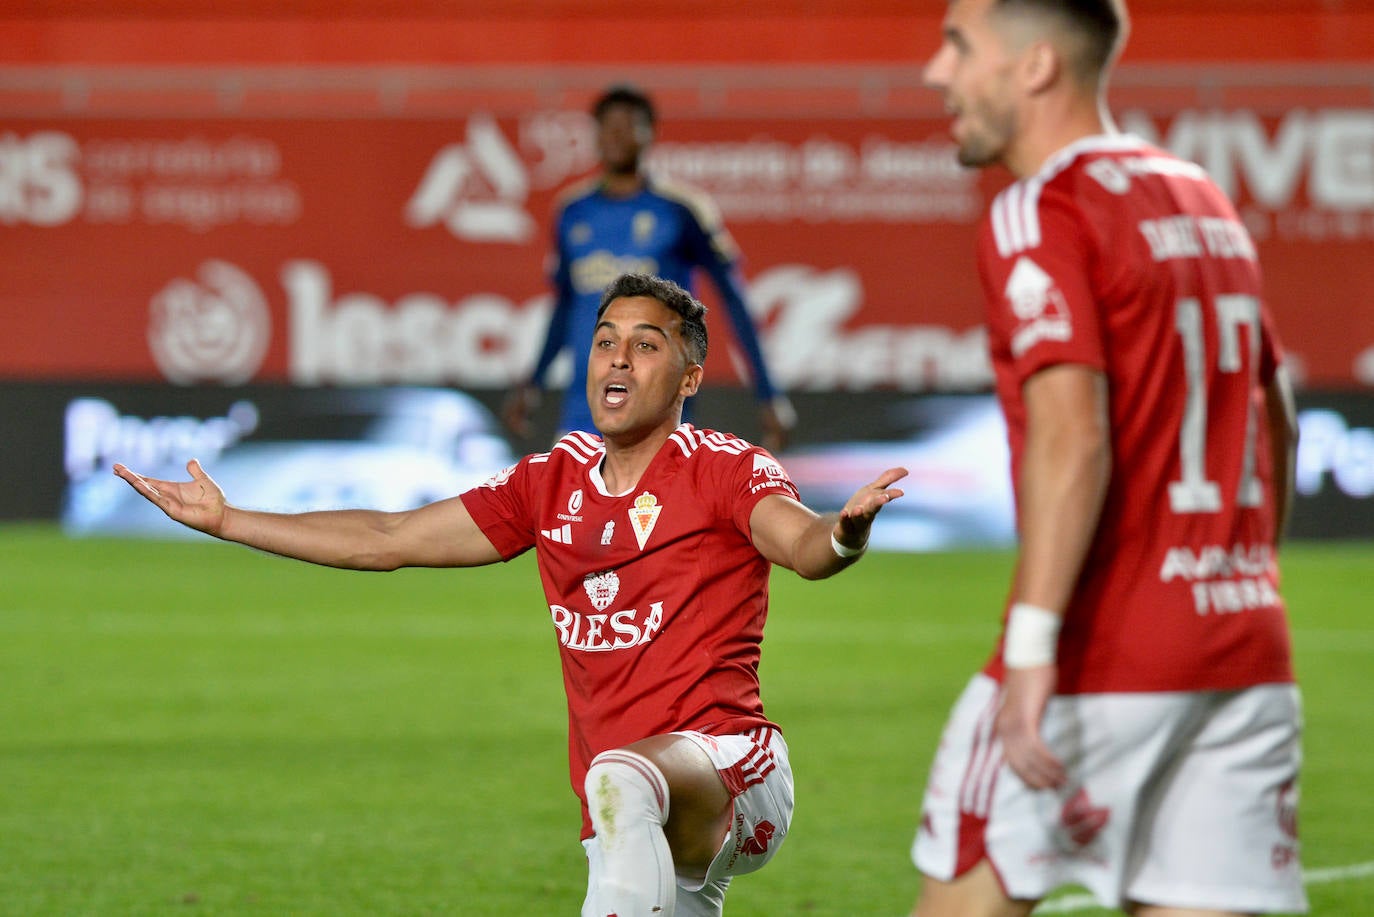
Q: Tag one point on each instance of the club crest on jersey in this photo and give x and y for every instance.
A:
(602, 588)
(642, 226)
(1036, 301)
(644, 516)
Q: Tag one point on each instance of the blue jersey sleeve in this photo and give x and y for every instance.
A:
(556, 338)
(713, 250)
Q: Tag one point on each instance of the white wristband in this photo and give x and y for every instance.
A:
(1032, 637)
(844, 550)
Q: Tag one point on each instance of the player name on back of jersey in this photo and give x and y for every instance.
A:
(1224, 580)
(1189, 236)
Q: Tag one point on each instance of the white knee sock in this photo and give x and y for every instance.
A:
(628, 798)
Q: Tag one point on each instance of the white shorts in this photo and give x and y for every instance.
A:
(1178, 799)
(756, 771)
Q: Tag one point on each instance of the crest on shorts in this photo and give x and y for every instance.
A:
(602, 588)
(644, 516)
(1288, 809)
(758, 844)
(1081, 820)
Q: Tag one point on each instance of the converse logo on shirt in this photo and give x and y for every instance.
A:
(574, 506)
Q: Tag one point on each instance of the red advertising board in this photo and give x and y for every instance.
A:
(411, 250)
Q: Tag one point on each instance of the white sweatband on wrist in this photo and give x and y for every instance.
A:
(1032, 637)
(845, 550)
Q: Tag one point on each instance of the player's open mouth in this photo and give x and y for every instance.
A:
(616, 394)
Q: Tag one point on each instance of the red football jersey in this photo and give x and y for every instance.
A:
(1122, 257)
(658, 596)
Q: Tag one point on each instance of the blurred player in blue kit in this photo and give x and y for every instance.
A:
(623, 220)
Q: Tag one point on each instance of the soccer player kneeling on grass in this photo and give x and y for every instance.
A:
(654, 544)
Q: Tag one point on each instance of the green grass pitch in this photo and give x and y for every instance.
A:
(194, 728)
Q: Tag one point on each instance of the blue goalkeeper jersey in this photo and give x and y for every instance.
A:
(664, 229)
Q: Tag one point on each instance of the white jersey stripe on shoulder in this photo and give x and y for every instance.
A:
(1031, 206)
(540, 458)
(1001, 234)
(1016, 217)
(683, 441)
(580, 446)
(589, 444)
(1016, 210)
(564, 446)
(689, 439)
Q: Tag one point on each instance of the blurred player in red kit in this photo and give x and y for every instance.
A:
(1138, 729)
(654, 544)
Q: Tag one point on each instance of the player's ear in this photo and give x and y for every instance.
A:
(691, 380)
(1041, 66)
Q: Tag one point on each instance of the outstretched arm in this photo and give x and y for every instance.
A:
(816, 546)
(441, 534)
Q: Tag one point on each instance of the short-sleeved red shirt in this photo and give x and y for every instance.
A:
(1121, 257)
(658, 596)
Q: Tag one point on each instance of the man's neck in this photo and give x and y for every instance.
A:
(1066, 120)
(628, 457)
(622, 184)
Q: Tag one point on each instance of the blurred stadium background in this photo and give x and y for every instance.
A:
(305, 242)
(213, 214)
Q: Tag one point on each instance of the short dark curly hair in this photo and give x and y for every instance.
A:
(625, 94)
(671, 295)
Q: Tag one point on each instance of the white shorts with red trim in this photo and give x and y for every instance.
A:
(756, 771)
(1179, 799)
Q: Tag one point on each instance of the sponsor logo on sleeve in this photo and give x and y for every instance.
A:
(498, 479)
(1039, 306)
(767, 473)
